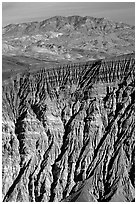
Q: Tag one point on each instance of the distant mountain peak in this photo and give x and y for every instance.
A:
(67, 19)
(72, 37)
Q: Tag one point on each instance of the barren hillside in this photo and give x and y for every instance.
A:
(68, 133)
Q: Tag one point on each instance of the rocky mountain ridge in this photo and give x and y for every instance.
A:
(72, 38)
(68, 133)
(60, 23)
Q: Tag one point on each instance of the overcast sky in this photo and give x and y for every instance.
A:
(17, 12)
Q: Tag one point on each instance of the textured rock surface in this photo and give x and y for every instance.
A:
(72, 38)
(68, 133)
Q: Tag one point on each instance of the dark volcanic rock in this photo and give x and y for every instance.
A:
(68, 133)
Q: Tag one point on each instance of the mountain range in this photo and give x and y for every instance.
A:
(68, 111)
(72, 38)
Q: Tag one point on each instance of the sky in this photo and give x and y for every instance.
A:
(17, 12)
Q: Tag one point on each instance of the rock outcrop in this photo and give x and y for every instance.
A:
(68, 133)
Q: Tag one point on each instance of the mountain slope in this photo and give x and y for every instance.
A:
(68, 133)
(72, 38)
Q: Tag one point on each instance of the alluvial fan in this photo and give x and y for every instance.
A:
(68, 133)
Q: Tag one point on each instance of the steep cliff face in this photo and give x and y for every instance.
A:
(68, 133)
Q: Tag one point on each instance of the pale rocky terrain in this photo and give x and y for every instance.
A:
(68, 126)
(72, 38)
(68, 133)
